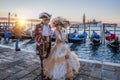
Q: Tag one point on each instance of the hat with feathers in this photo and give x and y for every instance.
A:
(61, 21)
(45, 15)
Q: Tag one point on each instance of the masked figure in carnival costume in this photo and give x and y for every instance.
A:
(43, 38)
(61, 63)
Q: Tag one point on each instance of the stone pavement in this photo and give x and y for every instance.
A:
(24, 65)
(18, 65)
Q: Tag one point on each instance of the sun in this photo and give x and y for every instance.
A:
(22, 22)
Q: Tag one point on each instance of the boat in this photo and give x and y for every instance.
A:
(83, 35)
(7, 34)
(73, 37)
(115, 44)
(109, 36)
(95, 38)
(112, 40)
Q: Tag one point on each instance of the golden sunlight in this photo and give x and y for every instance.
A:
(19, 28)
(22, 22)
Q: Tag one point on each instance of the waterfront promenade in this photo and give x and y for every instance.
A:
(25, 65)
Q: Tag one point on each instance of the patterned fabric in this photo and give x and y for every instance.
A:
(44, 42)
(57, 66)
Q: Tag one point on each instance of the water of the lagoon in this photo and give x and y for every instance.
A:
(84, 50)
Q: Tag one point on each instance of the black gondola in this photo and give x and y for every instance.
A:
(73, 38)
(95, 38)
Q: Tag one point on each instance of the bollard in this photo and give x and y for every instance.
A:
(17, 45)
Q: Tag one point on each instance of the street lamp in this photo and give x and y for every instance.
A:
(17, 40)
(9, 14)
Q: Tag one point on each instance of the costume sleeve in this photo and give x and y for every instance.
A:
(58, 36)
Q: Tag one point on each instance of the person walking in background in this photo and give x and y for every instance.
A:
(61, 64)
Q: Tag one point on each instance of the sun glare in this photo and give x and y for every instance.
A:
(22, 22)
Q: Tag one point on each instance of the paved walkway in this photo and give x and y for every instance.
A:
(24, 65)
(18, 65)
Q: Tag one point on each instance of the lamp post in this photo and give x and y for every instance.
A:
(14, 30)
(9, 18)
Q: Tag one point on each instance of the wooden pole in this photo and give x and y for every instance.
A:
(89, 30)
(84, 27)
(8, 20)
(103, 33)
(114, 29)
(84, 22)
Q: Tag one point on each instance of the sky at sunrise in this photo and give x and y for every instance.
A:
(73, 10)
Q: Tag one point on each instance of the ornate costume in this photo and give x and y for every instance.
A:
(43, 38)
(61, 63)
(43, 45)
(42, 35)
(44, 42)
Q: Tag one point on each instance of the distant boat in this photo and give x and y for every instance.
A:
(83, 35)
(109, 36)
(6, 34)
(112, 40)
(114, 45)
(95, 38)
(73, 38)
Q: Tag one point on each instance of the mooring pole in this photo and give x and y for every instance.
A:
(114, 29)
(84, 23)
(89, 29)
(8, 20)
(103, 32)
(17, 45)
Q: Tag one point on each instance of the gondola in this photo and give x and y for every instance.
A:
(11, 36)
(114, 45)
(95, 38)
(83, 35)
(109, 36)
(74, 38)
(6, 34)
(112, 40)
(71, 35)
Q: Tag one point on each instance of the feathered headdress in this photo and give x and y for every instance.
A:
(45, 15)
(60, 21)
